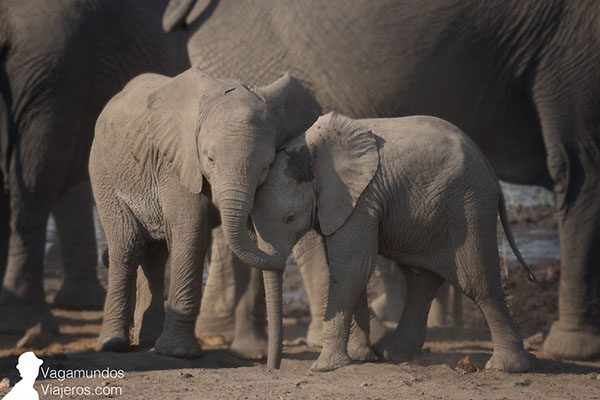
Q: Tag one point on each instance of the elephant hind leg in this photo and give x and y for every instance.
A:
(149, 314)
(479, 279)
(407, 340)
(125, 246)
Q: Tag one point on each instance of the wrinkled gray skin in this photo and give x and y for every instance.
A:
(415, 190)
(154, 143)
(60, 62)
(520, 77)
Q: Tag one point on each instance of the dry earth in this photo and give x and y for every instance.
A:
(433, 375)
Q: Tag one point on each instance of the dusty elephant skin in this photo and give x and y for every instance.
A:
(59, 64)
(518, 76)
(155, 143)
(413, 189)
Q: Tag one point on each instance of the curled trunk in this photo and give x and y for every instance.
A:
(234, 218)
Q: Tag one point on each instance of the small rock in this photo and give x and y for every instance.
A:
(185, 375)
(535, 340)
(37, 337)
(365, 384)
(105, 383)
(300, 383)
(466, 366)
(415, 379)
(4, 383)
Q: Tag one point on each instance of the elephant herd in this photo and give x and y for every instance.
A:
(202, 124)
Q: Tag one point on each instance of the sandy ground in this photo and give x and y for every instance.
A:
(433, 375)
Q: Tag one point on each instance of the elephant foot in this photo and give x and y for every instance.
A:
(315, 331)
(18, 319)
(251, 346)
(328, 361)
(583, 344)
(218, 326)
(81, 296)
(361, 353)
(396, 351)
(511, 361)
(117, 343)
(178, 345)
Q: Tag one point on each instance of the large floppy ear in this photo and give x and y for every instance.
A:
(345, 159)
(174, 124)
(298, 108)
(179, 13)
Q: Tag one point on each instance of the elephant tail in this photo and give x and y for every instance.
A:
(509, 235)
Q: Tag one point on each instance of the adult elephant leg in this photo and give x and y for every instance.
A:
(439, 307)
(4, 227)
(250, 339)
(73, 213)
(149, 314)
(312, 258)
(406, 341)
(219, 298)
(22, 301)
(573, 164)
(394, 285)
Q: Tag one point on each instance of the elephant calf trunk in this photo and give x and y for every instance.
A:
(273, 291)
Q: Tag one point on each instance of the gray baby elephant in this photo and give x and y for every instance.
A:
(158, 144)
(416, 190)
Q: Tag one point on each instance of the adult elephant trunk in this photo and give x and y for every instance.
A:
(234, 219)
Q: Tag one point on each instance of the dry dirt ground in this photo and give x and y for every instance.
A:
(433, 375)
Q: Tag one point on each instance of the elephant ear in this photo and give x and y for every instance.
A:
(174, 124)
(345, 159)
(179, 13)
(297, 107)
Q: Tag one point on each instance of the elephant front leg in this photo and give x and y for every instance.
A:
(312, 259)
(250, 339)
(4, 227)
(359, 348)
(22, 302)
(352, 252)
(188, 236)
(81, 289)
(219, 297)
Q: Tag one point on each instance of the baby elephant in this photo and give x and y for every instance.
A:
(416, 190)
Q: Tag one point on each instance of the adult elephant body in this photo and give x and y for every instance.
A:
(60, 63)
(520, 77)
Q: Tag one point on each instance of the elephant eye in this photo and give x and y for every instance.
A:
(289, 219)
(211, 159)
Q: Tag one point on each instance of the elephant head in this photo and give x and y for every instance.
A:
(315, 181)
(222, 131)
